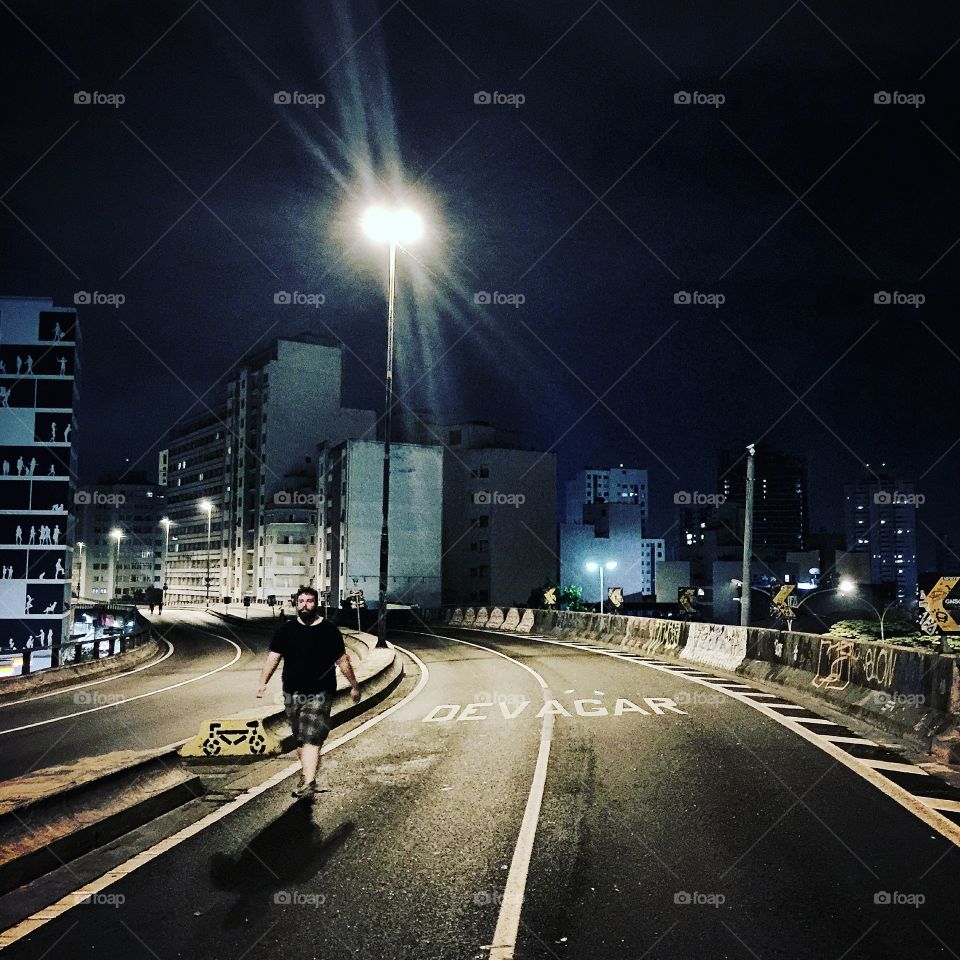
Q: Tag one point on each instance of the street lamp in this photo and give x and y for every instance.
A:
(207, 506)
(849, 588)
(80, 544)
(116, 534)
(165, 523)
(395, 228)
(592, 565)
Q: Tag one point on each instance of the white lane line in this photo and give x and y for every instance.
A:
(508, 921)
(83, 894)
(952, 806)
(815, 720)
(835, 739)
(766, 696)
(946, 828)
(139, 696)
(786, 706)
(895, 767)
(93, 683)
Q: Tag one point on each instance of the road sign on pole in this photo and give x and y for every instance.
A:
(939, 604)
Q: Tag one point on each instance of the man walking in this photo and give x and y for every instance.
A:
(311, 648)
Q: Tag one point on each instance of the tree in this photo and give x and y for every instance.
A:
(571, 598)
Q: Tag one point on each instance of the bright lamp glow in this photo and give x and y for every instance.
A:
(610, 564)
(392, 226)
(591, 565)
(847, 586)
(206, 505)
(117, 534)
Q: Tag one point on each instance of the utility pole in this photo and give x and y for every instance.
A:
(748, 538)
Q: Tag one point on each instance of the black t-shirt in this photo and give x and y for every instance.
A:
(310, 654)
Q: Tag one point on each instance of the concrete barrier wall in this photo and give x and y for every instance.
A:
(906, 690)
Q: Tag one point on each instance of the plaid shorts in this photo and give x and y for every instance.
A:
(309, 716)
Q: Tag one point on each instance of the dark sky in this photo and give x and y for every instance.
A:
(597, 199)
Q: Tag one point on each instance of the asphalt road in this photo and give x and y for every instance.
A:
(211, 669)
(673, 822)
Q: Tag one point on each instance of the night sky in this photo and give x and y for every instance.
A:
(597, 199)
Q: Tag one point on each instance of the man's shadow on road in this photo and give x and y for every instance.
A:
(287, 853)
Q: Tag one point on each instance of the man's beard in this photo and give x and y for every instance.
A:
(308, 616)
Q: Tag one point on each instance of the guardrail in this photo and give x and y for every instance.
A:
(101, 644)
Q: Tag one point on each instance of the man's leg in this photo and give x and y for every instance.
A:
(309, 761)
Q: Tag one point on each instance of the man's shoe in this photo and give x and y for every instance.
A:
(304, 789)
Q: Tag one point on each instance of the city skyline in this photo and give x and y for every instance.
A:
(509, 279)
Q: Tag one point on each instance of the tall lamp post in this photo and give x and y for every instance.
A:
(207, 507)
(592, 565)
(165, 523)
(747, 575)
(80, 544)
(395, 228)
(116, 534)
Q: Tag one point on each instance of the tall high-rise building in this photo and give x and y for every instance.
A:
(118, 523)
(351, 521)
(880, 518)
(781, 521)
(499, 517)
(39, 368)
(607, 485)
(252, 459)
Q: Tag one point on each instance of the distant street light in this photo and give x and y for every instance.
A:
(395, 228)
(165, 522)
(80, 544)
(207, 506)
(849, 588)
(116, 534)
(592, 565)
